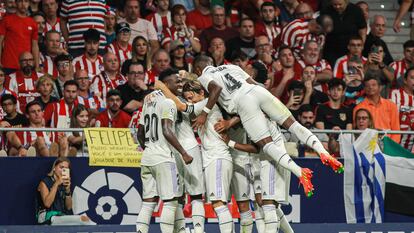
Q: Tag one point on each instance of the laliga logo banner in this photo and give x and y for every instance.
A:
(107, 198)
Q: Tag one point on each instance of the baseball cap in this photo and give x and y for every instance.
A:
(122, 27)
(175, 44)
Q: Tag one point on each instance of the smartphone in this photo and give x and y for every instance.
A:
(374, 49)
(352, 70)
(65, 173)
(297, 92)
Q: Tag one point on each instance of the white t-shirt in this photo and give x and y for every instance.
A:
(232, 79)
(185, 133)
(157, 149)
(238, 134)
(143, 28)
(213, 147)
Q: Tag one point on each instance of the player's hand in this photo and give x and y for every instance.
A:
(187, 158)
(198, 123)
(225, 137)
(221, 126)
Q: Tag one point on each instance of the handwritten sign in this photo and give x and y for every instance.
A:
(113, 147)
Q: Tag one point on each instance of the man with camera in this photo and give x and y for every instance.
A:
(355, 46)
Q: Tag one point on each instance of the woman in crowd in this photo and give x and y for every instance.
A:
(178, 58)
(140, 53)
(363, 120)
(77, 142)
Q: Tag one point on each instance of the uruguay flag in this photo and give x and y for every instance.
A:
(364, 179)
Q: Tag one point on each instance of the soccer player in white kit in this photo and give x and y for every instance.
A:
(237, 93)
(156, 134)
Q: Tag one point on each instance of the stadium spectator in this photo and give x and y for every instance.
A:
(304, 11)
(405, 6)
(4, 90)
(285, 74)
(113, 116)
(90, 61)
(309, 80)
(237, 10)
(53, 49)
(365, 10)
(134, 91)
(298, 32)
(50, 9)
(404, 99)
(11, 7)
(110, 78)
(34, 7)
(333, 114)
(216, 50)
(45, 88)
(244, 42)
(140, 26)
(355, 46)
(384, 111)
(121, 47)
(77, 142)
(23, 82)
(77, 17)
(378, 27)
(160, 61)
(218, 29)
(401, 66)
(140, 53)
(63, 63)
(264, 53)
(161, 19)
(311, 55)
(92, 102)
(306, 117)
(268, 26)
(200, 18)
(178, 58)
(287, 10)
(296, 96)
(18, 34)
(240, 59)
(363, 120)
(54, 199)
(110, 22)
(180, 31)
(354, 81)
(377, 67)
(39, 18)
(12, 117)
(348, 21)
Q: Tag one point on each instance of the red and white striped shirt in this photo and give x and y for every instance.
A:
(319, 66)
(399, 71)
(50, 27)
(101, 84)
(92, 102)
(119, 52)
(93, 68)
(171, 34)
(49, 66)
(151, 76)
(405, 104)
(27, 138)
(296, 33)
(271, 32)
(25, 88)
(160, 22)
(341, 66)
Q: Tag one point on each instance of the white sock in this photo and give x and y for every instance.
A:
(259, 216)
(144, 216)
(179, 224)
(270, 218)
(246, 222)
(198, 212)
(284, 224)
(282, 158)
(168, 216)
(225, 219)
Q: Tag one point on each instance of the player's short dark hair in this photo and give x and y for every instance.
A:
(201, 61)
(167, 73)
(70, 83)
(305, 108)
(113, 92)
(336, 82)
(261, 72)
(30, 104)
(408, 44)
(91, 35)
(9, 97)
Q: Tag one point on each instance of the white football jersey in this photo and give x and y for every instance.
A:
(185, 133)
(213, 147)
(232, 79)
(157, 149)
(238, 134)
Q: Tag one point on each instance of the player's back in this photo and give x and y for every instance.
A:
(157, 149)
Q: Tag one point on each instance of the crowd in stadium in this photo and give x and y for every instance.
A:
(77, 64)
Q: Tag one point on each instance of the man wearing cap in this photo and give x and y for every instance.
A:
(90, 61)
(296, 33)
(121, 47)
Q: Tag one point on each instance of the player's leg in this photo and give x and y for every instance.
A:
(179, 223)
(169, 190)
(269, 189)
(259, 215)
(150, 200)
(284, 224)
(241, 186)
(218, 177)
(257, 187)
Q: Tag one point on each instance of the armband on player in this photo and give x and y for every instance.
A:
(189, 108)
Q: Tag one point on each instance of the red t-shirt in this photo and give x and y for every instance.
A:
(198, 20)
(119, 121)
(18, 32)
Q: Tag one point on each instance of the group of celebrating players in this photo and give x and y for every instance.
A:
(242, 151)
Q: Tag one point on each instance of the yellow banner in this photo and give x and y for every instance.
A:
(112, 147)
